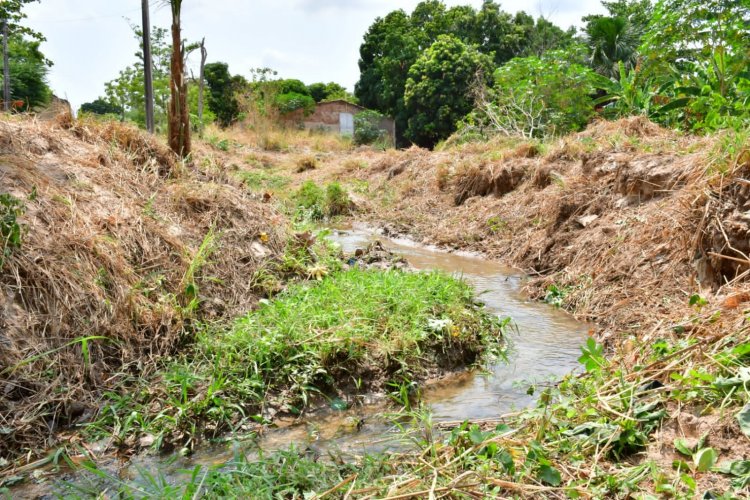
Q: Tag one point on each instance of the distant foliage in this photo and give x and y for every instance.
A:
(329, 92)
(393, 44)
(536, 97)
(28, 72)
(127, 90)
(437, 93)
(292, 101)
(222, 93)
(101, 107)
(367, 127)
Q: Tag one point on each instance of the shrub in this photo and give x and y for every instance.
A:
(306, 163)
(292, 101)
(367, 127)
(317, 203)
(538, 97)
(337, 200)
(10, 230)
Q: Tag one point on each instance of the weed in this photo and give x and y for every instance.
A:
(314, 203)
(263, 181)
(10, 230)
(306, 163)
(370, 326)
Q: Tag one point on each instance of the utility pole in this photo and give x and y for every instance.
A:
(6, 68)
(148, 67)
(202, 86)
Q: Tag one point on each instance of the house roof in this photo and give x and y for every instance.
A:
(344, 101)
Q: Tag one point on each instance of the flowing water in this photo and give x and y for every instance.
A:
(544, 345)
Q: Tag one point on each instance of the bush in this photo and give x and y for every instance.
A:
(539, 97)
(337, 200)
(317, 203)
(292, 101)
(367, 127)
(10, 230)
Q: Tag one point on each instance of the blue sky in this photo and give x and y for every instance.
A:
(313, 40)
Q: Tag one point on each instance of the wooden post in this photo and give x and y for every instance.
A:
(148, 67)
(6, 68)
(201, 87)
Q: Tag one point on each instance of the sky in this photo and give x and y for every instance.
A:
(90, 41)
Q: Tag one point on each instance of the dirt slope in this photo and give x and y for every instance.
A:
(118, 239)
(627, 220)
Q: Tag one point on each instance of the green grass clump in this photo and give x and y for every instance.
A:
(343, 333)
(314, 203)
(258, 180)
(367, 326)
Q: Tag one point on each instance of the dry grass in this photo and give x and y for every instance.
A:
(113, 227)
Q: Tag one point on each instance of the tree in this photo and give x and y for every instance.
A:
(539, 96)
(33, 68)
(637, 12)
(438, 91)
(178, 134)
(148, 81)
(201, 86)
(28, 72)
(101, 107)
(328, 91)
(611, 41)
(222, 88)
(393, 44)
(127, 91)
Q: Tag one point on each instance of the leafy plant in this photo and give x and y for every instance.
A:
(367, 128)
(10, 230)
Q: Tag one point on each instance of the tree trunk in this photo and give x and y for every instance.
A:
(6, 68)
(148, 67)
(179, 114)
(202, 87)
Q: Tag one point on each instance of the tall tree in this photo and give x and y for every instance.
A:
(438, 91)
(394, 43)
(148, 79)
(201, 85)
(11, 14)
(179, 113)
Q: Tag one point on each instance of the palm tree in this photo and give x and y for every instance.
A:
(179, 114)
(611, 40)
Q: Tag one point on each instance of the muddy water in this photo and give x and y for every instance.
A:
(544, 346)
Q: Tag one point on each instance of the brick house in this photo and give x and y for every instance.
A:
(336, 116)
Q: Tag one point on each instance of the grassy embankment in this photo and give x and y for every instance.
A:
(636, 228)
(161, 255)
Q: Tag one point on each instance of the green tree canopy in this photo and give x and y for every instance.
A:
(438, 91)
(28, 72)
(612, 40)
(393, 44)
(222, 92)
(101, 107)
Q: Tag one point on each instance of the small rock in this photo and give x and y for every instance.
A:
(586, 220)
(146, 441)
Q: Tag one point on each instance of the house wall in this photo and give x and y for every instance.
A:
(326, 117)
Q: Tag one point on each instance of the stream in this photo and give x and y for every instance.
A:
(543, 346)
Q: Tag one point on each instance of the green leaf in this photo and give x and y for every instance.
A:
(682, 446)
(743, 417)
(549, 475)
(476, 435)
(705, 459)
